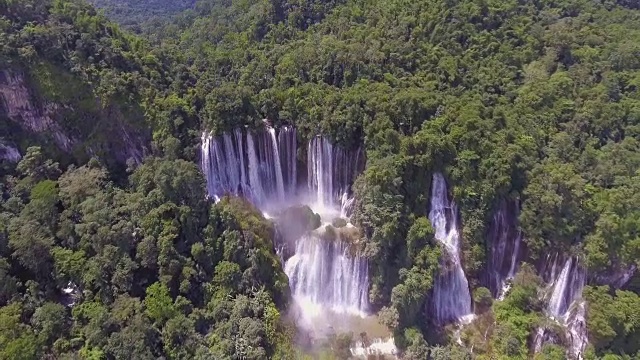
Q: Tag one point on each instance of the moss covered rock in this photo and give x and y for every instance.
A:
(293, 222)
(339, 222)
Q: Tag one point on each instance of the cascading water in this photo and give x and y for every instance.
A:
(287, 148)
(565, 304)
(327, 274)
(451, 300)
(331, 172)
(246, 164)
(567, 287)
(505, 239)
(329, 279)
(346, 205)
(278, 167)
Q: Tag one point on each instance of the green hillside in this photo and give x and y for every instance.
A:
(532, 103)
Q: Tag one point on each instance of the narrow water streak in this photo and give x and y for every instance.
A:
(451, 298)
(504, 251)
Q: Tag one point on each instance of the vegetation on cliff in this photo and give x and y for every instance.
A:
(146, 270)
(534, 101)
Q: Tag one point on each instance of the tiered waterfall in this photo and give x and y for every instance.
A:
(262, 167)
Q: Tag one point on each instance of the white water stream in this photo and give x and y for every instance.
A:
(328, 277)
(451, 298)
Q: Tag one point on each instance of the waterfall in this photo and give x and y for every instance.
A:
(331, 172)
(278, 167)
(567, 288)
(320, 170)
(558, 302)
(346, 205)
(505, 239)
(326, 273)
(247, 164)
(254, 170)
(451, 298)
(328, 277)
(287, 148)
(262, 166)
(565, 303)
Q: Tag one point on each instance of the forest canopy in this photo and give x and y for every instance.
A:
(111, 249)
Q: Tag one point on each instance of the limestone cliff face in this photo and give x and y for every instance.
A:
(17, 103)
(105, 134)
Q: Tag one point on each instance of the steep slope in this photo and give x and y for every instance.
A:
(74, 83)
(99, 263)
(527, 111)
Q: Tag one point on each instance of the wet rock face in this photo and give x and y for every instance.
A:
(577, 336)
(546, 336)
(293, 222)
(107, 132)
(616, 278)
(505, 248)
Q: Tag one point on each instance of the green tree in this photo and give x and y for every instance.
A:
(17, 340)
(158, 303)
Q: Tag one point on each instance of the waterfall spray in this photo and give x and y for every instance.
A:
(327, 273)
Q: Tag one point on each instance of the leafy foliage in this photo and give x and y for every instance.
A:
(613, 321)
(530, 101)
(152, 269)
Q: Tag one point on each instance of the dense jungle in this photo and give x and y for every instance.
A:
(308, 179)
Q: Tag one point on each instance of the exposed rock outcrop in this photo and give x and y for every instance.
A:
(18, 104)
(105, 132)
(9, 153)
(616, 278)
